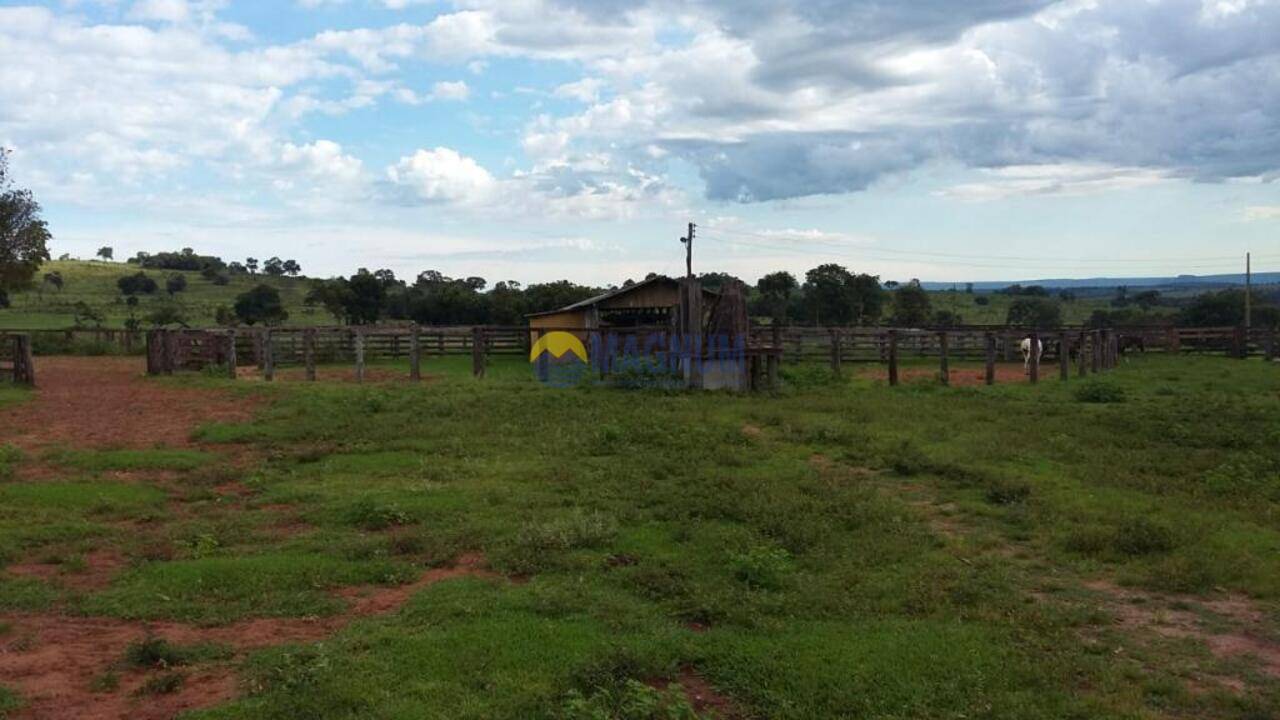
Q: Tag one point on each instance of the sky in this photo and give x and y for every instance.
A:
(537, 140)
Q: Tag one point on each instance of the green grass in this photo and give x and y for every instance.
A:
(9, 702)
(837, 549)
(94, 283)
(154, 459)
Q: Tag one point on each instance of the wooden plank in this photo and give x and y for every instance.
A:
(1064, 357)
(990, 339)
(359, 347)
(944, 345)
(415, 354)
(477, 352)
(1035, 358)
(309, 353)
(231, 353)
(893, 357)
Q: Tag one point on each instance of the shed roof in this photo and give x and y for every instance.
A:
(616, 292)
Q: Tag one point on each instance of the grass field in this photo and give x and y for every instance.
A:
(94, 283)
(840, 550)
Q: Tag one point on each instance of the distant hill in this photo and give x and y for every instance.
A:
(94, 283)
(1186, 282)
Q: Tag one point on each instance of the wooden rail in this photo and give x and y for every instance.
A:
(1090, 350)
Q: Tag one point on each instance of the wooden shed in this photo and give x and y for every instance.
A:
(650, 303)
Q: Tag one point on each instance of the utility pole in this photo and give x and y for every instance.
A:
(688, 251)
(1248, 291)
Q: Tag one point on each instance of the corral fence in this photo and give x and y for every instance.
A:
(16, 361)
(1073, 350)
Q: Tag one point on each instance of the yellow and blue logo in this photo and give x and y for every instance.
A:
(560, 359)
(559, 344)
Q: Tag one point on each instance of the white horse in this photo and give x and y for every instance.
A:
(1026, 353)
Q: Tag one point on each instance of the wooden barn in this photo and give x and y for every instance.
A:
(650, 303)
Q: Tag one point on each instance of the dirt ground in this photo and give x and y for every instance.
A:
(961, 377)
(103, 402)
(52, 659)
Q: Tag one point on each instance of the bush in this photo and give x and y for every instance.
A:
(762, 567)
(1143, 536)
(1099, 392)
(370, 515)
(633, 700)
(1008, 492)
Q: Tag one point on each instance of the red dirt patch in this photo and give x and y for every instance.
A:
(100, 567)
(961, 377)
(704, 698)
(101, 402)
(51, 660)
(1169, 616)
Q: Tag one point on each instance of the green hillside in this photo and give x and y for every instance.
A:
(996, 309)
(94, 283)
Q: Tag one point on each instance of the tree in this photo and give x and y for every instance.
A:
(106, 253)
(968, 288)
(777, 289)
(1226, 307)
(1036, 312)
(136, 283)
(292, 268)
(236, 268)
(911, 306)
(251, 265)
(24, 236)
(273, 267)
(1147, 299)
(261, 305)
(85, 316)
(176, 283)
(835, 296)
(167, 314)
(55, 279)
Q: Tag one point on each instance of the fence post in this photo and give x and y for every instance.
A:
(1081, 360)
(1008, 346)
(1239, 343)
(359, 346)
(835, 351)
(944, 346)
(893, 357)
(991, 357)
(24, 366)
(1064, 356)
(170, 351)
(1035, 357)
(415, 353)
(1094, 359)
(309, 352)
(477, 352)
(231, 354)
(268, 357)
(1173, 341)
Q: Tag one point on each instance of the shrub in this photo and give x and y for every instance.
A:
(633, 700)
(1008, 492)
(153, 652)
(370, 515)
(162, 684)
(1143, 536)
(762, 567)
(9, 457)
(1099, 392)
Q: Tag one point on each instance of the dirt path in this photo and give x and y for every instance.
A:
(53, 660)
(101, 402)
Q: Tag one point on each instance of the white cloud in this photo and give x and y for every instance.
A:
(450, 90)
(321, 160)
(1055, 179)
(442, 175)
(1262, 212)
(171, 11)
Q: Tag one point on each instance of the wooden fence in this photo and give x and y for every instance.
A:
(1072, 350)
(16, 360)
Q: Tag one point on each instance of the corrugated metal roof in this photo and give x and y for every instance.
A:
(596, 300)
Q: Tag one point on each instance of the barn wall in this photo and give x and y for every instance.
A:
(655, 295)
